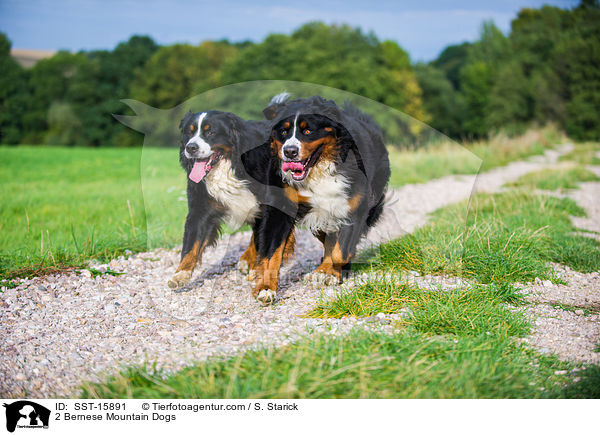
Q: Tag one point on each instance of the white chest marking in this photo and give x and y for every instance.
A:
(233, 193)
(328, 196)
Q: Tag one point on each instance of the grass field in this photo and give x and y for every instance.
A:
(555, 179)
(61, 206)
(449, 158)
(459, 343)
(75, 204)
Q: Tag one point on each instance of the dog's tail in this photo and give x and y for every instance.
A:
(375, 212)
(280, 98)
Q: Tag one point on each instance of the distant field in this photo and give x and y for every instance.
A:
(450, 158)
(62, 206)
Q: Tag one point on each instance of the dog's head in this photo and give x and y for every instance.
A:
(207, 137)
(302, 141)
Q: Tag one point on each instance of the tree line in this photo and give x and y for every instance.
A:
(547, 69)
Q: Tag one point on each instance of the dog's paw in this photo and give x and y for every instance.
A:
(243, 267)
(180, 279)
(321, 278)
(252, 275)
(266, 297)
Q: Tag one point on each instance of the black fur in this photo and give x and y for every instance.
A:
(231, 136)
(360, 156)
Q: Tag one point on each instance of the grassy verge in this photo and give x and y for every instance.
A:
(584, 154)
(359, 365)
(555, 179)
(506, 237)
(459, 343)
(424, 164)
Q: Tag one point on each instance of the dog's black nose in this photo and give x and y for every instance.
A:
(290, 151)
(191, 148)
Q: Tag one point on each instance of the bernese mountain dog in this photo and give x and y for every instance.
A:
(328, 170)
(219, 189)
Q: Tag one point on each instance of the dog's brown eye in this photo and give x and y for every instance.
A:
(307, 132)
(284, 132)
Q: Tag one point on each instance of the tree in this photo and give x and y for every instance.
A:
(13, 95)
(175, 73)
(451, 60)
(478, 77)
(507, 105)
(49, 81)
(338, 56)
(580, 71)
(100, 82)
(441, 101)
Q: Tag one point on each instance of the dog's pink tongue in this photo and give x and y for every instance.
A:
(293, 166)
(198, 171)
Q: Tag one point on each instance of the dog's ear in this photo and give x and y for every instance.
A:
(187, 118)
(275, 105)
(325, 107)
(271, 111)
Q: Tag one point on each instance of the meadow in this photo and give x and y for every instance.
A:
(63, 206)
(462, 342)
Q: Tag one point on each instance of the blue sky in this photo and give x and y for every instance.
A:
(423, 28)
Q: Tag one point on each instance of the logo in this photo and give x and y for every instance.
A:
(26, 414)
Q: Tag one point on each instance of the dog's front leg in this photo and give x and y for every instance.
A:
(275, 239)
(200, 231)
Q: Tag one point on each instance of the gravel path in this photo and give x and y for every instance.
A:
(572, 333)
(61, 329)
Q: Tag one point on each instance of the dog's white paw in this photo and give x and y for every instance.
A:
(266, 297)
(243, 267)
(180, 279)
(321, 278)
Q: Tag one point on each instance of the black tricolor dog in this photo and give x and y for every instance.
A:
(332, 169)
(219, 189)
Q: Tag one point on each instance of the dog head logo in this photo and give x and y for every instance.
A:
(26, 414)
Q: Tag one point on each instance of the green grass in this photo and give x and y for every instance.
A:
(459, 343)
(447, 344)
(507, 237)
(362, 364)
(472, 310)
(555, 179)
(62, 206)
(584, 154)
(439, 160)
